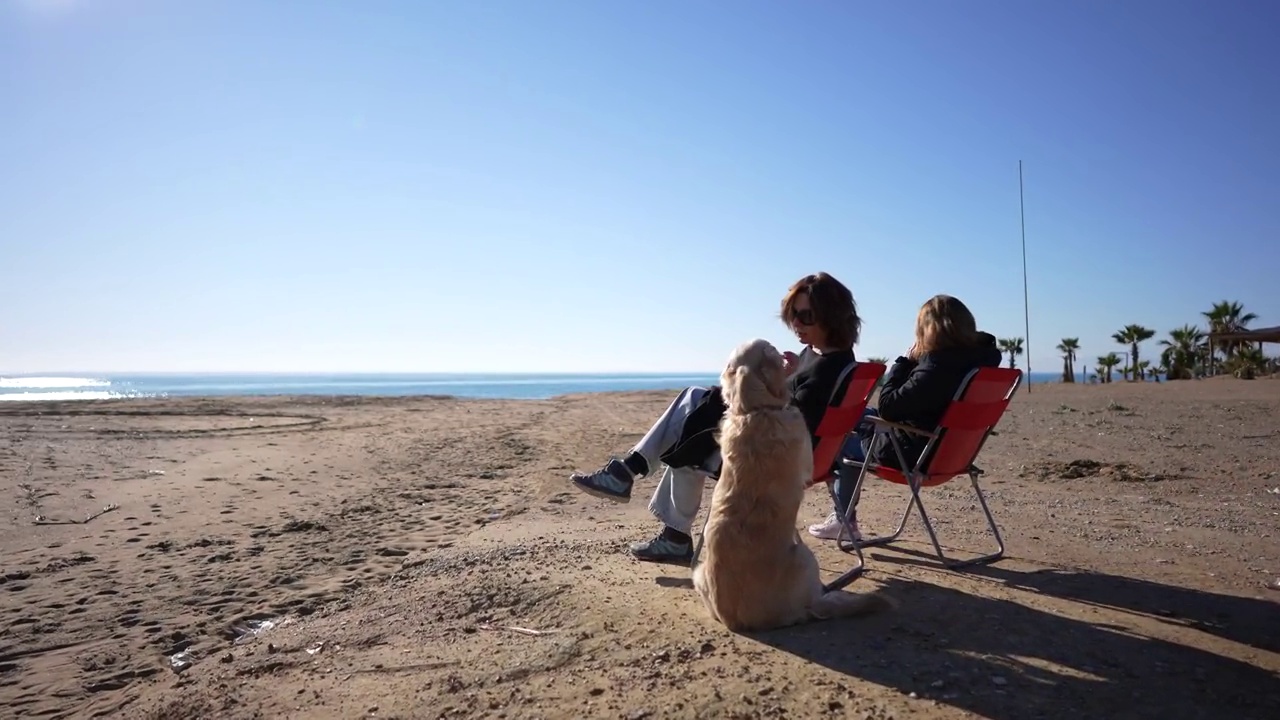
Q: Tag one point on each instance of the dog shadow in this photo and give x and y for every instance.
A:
(1004, 660)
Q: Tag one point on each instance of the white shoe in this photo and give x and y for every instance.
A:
(829, 529)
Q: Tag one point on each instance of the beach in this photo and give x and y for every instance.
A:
(424, 557)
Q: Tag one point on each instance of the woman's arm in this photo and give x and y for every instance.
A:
(912, 390)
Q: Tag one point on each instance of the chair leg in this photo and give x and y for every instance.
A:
(858, 570)
(848, 544)
(697, 548)
(846, 526)
(902, 524)
(991, 524)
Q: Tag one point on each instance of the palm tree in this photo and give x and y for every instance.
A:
(1131, 335)
(1013, 346)
(1247, 363)
(1226, 317)
(1140, 370)
(1106, 364)
(1161, 369)
(1068, 347)
(1181, 352)
(878, 359)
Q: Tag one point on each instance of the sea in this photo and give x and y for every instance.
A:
(98, 386)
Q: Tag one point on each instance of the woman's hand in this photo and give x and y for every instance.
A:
(790, 363)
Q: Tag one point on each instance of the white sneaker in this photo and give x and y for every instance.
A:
(829, 529)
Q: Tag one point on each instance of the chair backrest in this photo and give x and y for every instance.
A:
(969, 419)
(858, 381)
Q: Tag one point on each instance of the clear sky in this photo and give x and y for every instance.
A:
(617, 186)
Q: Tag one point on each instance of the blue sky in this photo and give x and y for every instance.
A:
(602, 186)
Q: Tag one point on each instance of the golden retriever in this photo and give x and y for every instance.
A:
(755, 574)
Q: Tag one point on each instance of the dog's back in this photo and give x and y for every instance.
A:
(748, 573)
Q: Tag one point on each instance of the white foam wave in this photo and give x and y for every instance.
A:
(51, 382)
(47, 396)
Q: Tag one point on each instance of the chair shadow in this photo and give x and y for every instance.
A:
(1244, 620)
(683, 583)
(1007, 661)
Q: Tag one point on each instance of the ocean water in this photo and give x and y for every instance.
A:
(90, 386)
(85, 386)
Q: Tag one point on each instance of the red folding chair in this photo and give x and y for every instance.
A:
(859, 381)
(965, 426)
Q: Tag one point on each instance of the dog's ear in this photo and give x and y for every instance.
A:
(735, 380)
(774, 374)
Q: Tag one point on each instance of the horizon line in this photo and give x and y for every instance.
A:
(556, 373)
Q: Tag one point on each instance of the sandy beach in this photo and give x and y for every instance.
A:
(426, 557)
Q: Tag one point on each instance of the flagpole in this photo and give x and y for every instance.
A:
(1026, 309)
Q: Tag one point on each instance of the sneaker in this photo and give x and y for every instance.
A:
(663, 549)
(829, 529)
(611, 482)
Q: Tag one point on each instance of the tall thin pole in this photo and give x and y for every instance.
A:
(1026, 306)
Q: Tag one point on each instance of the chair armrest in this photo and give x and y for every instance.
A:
(900, 426)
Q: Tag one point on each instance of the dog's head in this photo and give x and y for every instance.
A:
(755, 378)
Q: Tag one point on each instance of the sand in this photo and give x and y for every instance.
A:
(426, 557)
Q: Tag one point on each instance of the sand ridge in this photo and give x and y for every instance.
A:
(425, 557)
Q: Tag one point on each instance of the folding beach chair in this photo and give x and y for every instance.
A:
(953, 446)
(859, 381)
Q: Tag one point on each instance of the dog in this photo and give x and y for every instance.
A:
(755, 574)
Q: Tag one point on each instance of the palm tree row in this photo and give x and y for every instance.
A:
(1186, 352)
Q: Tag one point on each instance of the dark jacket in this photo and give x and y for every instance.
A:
(917, 393)
(810, 387)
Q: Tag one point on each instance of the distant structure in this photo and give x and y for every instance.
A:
(1260, 336)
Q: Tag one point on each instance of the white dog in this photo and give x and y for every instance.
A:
(755, 574)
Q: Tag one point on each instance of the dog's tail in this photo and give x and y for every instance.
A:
(842, 604)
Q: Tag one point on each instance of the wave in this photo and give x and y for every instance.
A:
(66, 395)
(51, 382)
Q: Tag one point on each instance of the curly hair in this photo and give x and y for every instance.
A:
(834, 309)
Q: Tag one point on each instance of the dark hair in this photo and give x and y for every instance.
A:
(834, 309)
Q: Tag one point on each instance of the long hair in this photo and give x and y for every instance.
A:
(944, 322)
(833, 308)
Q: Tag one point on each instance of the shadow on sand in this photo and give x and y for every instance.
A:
(1007, 661)
(1248, 621)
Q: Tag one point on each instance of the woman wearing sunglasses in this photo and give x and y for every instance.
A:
(824, 317)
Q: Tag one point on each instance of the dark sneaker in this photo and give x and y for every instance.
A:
(663, 549)
(611, 482)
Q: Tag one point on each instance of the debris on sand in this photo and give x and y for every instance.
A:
(42, 520)
(1085, 468)
(515, 629)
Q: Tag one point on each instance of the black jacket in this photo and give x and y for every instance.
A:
(810, 387)
(917, 393)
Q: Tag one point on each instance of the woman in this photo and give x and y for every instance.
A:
(916, 393)
(822, 314)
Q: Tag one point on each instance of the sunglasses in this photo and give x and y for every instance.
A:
(804, 317)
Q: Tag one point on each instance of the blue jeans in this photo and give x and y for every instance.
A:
(855, 448)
